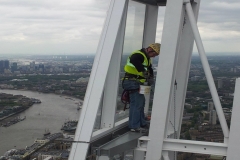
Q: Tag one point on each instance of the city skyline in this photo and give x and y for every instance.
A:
(74, 27)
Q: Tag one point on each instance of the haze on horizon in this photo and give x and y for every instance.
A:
(72, 27)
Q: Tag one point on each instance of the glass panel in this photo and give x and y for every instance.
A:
(133, 41)
(134, 27)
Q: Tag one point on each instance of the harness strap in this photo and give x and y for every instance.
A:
(125, 98)
(128, 75)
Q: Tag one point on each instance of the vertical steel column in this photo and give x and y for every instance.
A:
(207, 70)
(183, 66)
(97, 80)
(165, 78)
(185, 48)
(233, 151)
(113, 77)
(149, 36)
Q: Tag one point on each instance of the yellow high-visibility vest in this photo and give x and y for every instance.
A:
(130, 68)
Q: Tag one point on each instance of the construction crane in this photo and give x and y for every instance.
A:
(112, 137)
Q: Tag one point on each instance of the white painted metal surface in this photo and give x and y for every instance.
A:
(113, 77)
(165, 78)
(149, 36)
(234, 140)
(183, 62)
(97, 80)
(207, 70)
(183, 67)
(104, 131)
(187, 146)
(174, 64)
(195, 147)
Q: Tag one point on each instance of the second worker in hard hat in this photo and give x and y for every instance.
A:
(137, 70)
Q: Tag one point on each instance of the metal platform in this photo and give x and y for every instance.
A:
(121, 144)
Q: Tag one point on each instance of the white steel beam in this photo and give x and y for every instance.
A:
(104, 131)
(187, 146)
(234, 140)
(97, 80)
(165, 78)
(183, 67)
(149, 36)
(207, 70)
(195, 147)
(112, 81)
(172, 124)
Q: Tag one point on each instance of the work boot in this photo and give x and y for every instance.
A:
(146, 126)
(139, 130)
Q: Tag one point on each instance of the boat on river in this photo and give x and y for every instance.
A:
(47, 132)
(70, 126)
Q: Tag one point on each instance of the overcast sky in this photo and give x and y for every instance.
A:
(74, 26)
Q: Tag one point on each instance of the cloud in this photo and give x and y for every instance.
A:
(219, 25)
(74, 26)
(225, 5)
(36, 22)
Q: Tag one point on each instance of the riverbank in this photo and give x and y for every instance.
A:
(1, 119)
(55, 93)
(51, 114)
(12, 105)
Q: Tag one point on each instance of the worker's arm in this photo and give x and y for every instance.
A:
(137, 60)
(150, 71)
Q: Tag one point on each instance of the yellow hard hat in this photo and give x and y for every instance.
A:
(156, 47)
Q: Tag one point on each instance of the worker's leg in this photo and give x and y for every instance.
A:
(136, 102)
(142, 115)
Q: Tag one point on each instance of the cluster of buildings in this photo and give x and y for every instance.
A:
(52, 147)
(201, 124)
(43, 67)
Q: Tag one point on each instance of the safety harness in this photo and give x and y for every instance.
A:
(125, 98)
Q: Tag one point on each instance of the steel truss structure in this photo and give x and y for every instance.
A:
(179, 33)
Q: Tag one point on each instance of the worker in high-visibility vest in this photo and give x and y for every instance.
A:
(138, 69)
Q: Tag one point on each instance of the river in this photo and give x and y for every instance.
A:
(50, 114)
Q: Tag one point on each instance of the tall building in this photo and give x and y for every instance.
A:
(32, 65)
(213, 117)
(210, 106)
(4, 64)
(41, 67)
(14, 66)
(220, 83)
